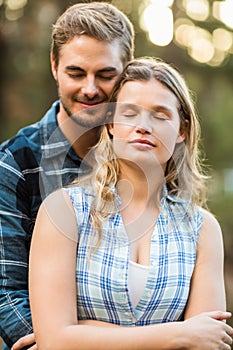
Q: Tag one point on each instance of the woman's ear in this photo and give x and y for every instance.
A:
(180, 138)
(53, 66)
(183, 131)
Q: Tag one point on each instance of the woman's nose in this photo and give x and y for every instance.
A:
(144, 126)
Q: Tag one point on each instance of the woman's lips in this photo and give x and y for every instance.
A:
(143, 143)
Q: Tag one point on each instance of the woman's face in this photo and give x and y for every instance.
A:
(146, 125)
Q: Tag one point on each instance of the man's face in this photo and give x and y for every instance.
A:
(85, 75)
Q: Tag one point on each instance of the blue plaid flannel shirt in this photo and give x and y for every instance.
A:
(35, 162)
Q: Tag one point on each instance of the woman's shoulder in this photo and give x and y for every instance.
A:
(187, 216)
(81, 198)
(57, 214)
(185, 208)
(79, 190)
(210, 222)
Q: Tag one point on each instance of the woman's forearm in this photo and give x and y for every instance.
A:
(96, 323)
(203, 332)
(100, 335)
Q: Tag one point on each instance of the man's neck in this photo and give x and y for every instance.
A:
(80, 138)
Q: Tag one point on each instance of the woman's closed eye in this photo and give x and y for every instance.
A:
(129, 113)
(160, 115)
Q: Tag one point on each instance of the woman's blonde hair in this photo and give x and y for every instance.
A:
(184, 177)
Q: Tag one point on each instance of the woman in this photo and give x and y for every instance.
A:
(128, 258)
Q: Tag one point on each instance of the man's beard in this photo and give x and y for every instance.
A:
(88, 118)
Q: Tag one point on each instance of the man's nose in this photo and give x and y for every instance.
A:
(90, 88)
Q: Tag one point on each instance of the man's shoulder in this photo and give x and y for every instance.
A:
(21, 151)
(21, 139)
(28, 141)
(32, 135)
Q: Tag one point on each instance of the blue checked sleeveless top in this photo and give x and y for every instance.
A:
(102, 276)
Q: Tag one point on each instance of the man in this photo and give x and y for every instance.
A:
(91, 43)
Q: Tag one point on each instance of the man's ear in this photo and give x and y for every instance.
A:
(110, 129)
(183, 131)
(53, 66)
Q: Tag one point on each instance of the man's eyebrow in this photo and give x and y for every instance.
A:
(103, 70)
(75, 68)
(108, 69)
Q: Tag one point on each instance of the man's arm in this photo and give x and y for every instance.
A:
(15, 316)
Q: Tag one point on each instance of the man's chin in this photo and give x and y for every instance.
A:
(86, 120)
(90, 117)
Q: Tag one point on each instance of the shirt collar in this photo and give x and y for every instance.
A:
(164, 198)
(174, 198)
(53, 141)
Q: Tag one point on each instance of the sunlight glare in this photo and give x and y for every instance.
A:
(158, 20)
(197, 9)
(165, 3)
(13, 15)
(202, 50)
(217, 59)
(226, 12)
(222, 39)
(185, 31)
(16, 4)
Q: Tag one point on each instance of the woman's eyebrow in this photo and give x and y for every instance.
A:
(156, 108)
(123, 105)
(162, 108)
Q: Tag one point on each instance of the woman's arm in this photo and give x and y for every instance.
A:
(201, 333)
(207, 286)
(53, 298)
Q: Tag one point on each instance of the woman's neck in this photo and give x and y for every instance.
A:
(140, 194)
(140, 186)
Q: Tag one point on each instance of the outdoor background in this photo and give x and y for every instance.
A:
(195, 35)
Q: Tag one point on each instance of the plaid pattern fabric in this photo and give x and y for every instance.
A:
(102, 277)
(35, 162)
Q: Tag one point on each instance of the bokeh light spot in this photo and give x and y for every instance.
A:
(197, 9)
(158, 21)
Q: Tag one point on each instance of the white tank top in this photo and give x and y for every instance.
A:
(137, 279)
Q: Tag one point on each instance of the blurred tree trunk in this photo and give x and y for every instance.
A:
(3, 56)
(3, 65)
